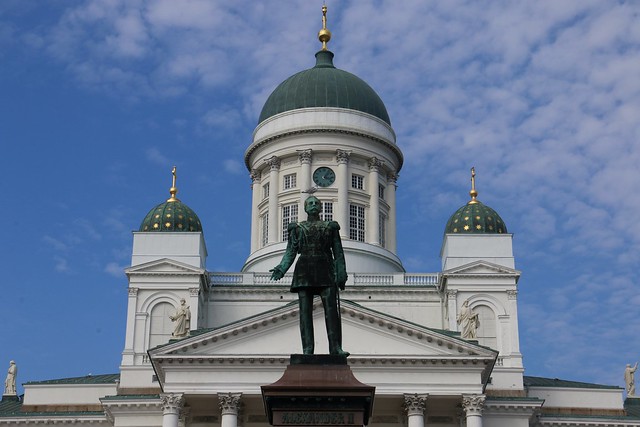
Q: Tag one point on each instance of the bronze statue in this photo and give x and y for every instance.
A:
(320, 270)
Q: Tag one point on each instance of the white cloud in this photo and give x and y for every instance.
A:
(155, 156)
(114, 270)
(233, 166)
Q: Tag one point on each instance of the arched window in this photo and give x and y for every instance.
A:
(487, 331)
(161, 326)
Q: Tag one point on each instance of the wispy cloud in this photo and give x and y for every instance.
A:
(154, 155)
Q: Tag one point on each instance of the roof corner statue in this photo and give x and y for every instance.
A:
(10, 381)
(320, 270)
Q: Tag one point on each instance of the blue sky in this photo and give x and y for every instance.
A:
(100, 98)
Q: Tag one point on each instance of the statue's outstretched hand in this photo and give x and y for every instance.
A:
(276, 274)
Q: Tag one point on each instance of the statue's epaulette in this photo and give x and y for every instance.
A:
(293, 225)
(334, 225)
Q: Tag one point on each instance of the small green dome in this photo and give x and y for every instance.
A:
(172, 215)
(324, 86)
(475, 218)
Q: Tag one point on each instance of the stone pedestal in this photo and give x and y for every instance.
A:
(318, 390)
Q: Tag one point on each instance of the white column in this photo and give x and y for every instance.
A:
(392, 184)
(305, 178)
(473, 404)
(229, 406)
(414, 405)
(172, 404)
(194, 306)
(374, 201)
(343, 192)
(128, 352)
(274, 189)
(452, 309)
(256, 195)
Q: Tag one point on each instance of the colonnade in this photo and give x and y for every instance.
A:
(175, 414)
(342, 184)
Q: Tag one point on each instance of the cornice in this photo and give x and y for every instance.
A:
(262, 142)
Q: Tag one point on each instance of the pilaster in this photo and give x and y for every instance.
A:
(342, 156)
(274, 190)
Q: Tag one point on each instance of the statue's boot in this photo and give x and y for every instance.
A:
(334, 329)
(306, 322)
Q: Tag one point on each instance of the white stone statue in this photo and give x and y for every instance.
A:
(182, 319)
(469, 320)
(629, 379)
(10, 382)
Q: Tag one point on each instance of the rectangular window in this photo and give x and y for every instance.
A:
(289, 214)
(265, 191)
(327, 211)
(356, 222)
(381, 191)
(382, 229)
(357, 181)
(264, 225)
(289, 181)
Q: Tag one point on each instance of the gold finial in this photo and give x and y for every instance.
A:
(173, 190)
(324, 35)
(473, 193)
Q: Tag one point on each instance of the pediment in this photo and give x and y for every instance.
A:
(367, 335)
(481, 268)
(163, 266)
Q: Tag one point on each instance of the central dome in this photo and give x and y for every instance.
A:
(324, 86)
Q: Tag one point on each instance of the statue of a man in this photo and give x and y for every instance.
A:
(469, 320)
(182, 318)
(320, 270)
(10, 381)
(629, 379)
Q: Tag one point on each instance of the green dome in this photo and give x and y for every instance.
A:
(324, 86)
(475, 218)
(172, 215)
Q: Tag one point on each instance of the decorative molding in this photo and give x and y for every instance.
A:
(392, 146)
(229, 403)
(452, 293)
(194, 292)
(342, 156)
(172, 403)
(274, 163)
(305, 156)
(473, 404)
(512, 294)
(375, 164)
(255, 175)
(392, 178)
(415, 404)
(133, 292)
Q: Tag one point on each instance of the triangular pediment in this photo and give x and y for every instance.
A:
(163, 266)
(367, 334)
(393, 354)
(481, 268)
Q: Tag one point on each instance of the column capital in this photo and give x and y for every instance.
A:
(172, 403)
(392, 178)
(343, 156)
(512, 294)
(254, 175)
(305, 156)
(133, 292)
(194, 292)
(375, 164)
(415, 404)
(274, 163)
(229, 403)
(473, 404)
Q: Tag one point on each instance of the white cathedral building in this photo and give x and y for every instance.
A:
(441, 349)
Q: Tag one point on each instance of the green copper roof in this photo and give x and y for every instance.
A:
(475, 218)
(171, 216)
(324, 86)
(555, 382)
(89, 379)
